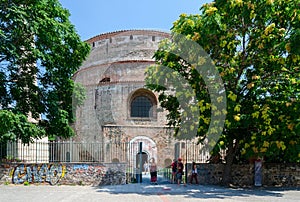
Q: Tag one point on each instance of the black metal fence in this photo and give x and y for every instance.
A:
(77, 152)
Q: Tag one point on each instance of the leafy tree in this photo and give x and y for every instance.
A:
(16, 126)
(255, 46)
(39, 52)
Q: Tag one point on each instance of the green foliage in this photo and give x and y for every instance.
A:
(79, 95)
(39, 53)
(16, 126)
(255, 46)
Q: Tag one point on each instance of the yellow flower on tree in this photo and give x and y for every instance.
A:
(237, 117)
(266, 144)
(269, 28)
(263, 150)
(255, 114)
(211, 10)
(232, 96)
(288, 47)
(255, 150)
(237, 108)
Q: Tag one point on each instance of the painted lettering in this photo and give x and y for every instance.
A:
(38, 173)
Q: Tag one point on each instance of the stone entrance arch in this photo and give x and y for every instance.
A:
(149, 150)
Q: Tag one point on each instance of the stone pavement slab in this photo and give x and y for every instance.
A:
(164, 192)
(142, 192)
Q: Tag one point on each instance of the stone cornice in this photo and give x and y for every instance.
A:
(127, 32)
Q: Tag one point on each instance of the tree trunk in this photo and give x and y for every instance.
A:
(227, 178)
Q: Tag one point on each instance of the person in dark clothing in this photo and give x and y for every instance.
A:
(179, 172)
(194, 174)
(174, 170)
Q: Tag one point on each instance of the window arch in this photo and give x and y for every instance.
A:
(143, 105)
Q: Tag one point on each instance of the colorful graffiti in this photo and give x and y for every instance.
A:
(38, 173)
(87, 170)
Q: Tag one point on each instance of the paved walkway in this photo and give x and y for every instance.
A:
(164, 192)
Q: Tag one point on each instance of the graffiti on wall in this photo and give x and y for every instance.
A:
(38, 173)
(88, 169)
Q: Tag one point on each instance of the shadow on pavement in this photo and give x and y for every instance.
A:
(164, 187)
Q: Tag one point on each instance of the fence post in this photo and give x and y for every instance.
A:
(71, 150)
(141, 162)
(36, 150)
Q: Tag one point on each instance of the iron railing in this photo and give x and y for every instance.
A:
(78, 152)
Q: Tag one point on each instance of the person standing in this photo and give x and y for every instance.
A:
(194, 174)
(179, 172)
(174, 170)
(153, 172)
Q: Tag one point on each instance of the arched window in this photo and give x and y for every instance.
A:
(141, 106)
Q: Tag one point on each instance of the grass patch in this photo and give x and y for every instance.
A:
(26, 183)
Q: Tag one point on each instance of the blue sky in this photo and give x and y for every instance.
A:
(94, 17)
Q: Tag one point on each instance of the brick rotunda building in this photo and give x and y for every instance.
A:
(119, 112)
